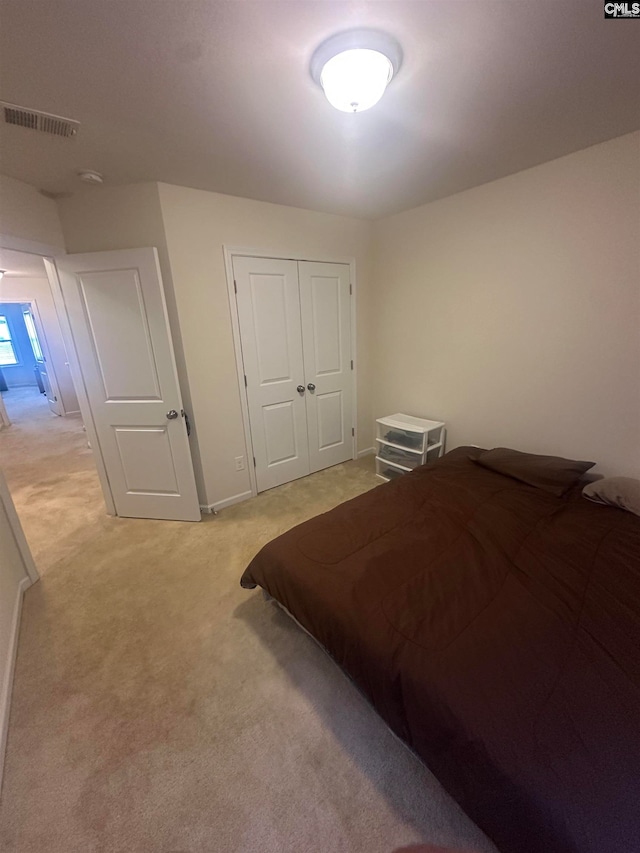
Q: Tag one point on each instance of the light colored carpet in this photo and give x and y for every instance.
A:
(53, 481)
(160, 708)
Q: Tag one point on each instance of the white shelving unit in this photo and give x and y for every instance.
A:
(404, 443)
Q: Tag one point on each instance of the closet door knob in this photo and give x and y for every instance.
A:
(311, 386)
(301, 389)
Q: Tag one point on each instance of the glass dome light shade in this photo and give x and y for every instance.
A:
(355, 80)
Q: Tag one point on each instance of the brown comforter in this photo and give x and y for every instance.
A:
(496, 629)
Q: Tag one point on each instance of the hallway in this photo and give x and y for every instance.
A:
(51, 475)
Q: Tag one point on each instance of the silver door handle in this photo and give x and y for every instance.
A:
(311, 386)
(172, 414)
(300, 389)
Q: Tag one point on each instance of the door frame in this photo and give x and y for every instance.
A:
(48, 255)
(229, 253)
(44, 345)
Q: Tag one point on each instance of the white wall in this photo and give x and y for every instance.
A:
(189, 228)
(512, 310)
(103, 218)
(38, 290)
(26, 214)
(13, 581)
(197, 224)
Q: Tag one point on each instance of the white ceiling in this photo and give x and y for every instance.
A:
(217, 95)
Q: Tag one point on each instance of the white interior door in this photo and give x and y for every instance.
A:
(43, 359)
(326, 334)
(118, 320)
(269, 316)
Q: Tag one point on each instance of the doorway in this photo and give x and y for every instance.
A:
(44, 452)
(27, 370)
(294, 344)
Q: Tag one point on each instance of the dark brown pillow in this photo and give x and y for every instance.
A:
(551, 473)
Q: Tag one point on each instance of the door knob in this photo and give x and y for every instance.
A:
(172, 414)
(301, 389)
(311, 386)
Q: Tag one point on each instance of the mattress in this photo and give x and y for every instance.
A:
(496, 629)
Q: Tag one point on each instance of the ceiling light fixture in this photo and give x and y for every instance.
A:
(90, 176)
(355, 67)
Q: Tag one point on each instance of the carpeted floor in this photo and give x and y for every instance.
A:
(159, 708)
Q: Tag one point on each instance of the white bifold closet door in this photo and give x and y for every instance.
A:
(295, 329)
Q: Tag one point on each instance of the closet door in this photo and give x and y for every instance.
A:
(269, 315)
(326, 334)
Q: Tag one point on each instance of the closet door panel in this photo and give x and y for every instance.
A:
(269, 315)
(325, 304)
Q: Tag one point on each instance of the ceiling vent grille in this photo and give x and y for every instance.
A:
(36, 120)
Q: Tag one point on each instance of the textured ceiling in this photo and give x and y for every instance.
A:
(217, 95)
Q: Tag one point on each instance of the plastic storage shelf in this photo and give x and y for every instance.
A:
(405, 442)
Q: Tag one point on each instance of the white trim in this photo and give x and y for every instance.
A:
(234, 499)
(229, 252)
(286, 256)
(235, 328)
(5, 420)
(29, 247)
(7, 685)
(55, 387)
(368, 451)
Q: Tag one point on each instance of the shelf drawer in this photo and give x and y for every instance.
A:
(387, 470)
(395, 455)
(405, 438)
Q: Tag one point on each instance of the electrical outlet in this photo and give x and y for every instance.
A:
(239, 463)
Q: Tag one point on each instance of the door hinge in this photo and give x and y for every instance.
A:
(350, 289)
(254, 461)
(235, 286)
(351, 364)
(245, 381)
(353, 431)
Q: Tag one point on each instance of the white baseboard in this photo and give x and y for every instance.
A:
(368, 451)
(234, 499)
(5, 694)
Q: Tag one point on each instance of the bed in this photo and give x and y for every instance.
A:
(495, 627)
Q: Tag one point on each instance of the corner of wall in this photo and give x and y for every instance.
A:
(27, 215)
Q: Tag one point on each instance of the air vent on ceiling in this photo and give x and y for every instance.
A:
(37, 120)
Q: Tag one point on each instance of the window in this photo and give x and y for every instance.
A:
(33, 335)
(7, 350)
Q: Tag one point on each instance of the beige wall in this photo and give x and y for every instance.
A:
(38, 290)
(512, 311)
(13, 579)
(99, 219)
(189, 228)
(197, 224)
(26, 214)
